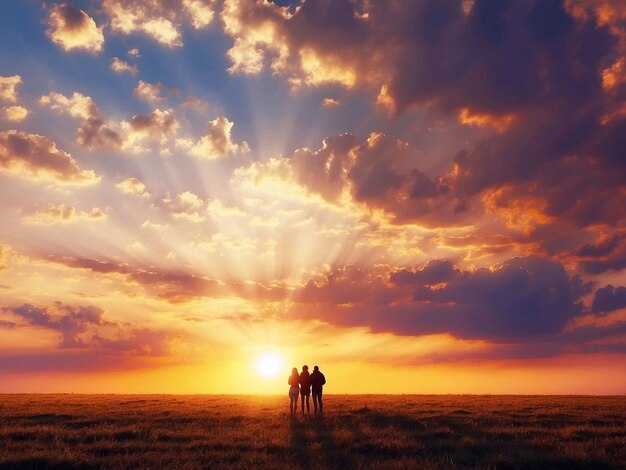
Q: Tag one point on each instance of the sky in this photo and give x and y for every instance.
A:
(416, 196)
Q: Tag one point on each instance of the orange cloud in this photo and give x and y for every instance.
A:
(133, 187)
(268, 35)
(36, 157)
(159, 20)
(186, 205)
(499, 123)
(330, 102)
(171, 286)
(217, 142)
(8, 88)
(200, 12)
(15, 113)
(62, 213)
(73, 29)
(9, 257)
(519, 212)
(157, 127)
(85, 339)
(92, 131)
(148, 92)
(121, 66)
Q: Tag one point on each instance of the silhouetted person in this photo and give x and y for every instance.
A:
(305, 388)
(317, 383)
(294, 390)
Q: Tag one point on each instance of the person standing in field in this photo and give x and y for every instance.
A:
(317, 383)
(294, 390)
(305, 388)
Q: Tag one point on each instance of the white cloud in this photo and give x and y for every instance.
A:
(8, 87)
(133, 187)
(62, 213)
(217, 142)
(15, 113)
(72, 28)
(121, 66)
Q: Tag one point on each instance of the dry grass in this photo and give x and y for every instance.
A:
(178, 432)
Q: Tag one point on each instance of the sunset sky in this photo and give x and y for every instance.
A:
(417, 196)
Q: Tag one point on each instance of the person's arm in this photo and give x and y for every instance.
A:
(323, 380)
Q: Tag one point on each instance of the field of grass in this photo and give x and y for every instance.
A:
(409, 431)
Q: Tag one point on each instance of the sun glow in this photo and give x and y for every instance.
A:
(269, 364)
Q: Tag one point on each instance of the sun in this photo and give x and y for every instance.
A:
(269, 364)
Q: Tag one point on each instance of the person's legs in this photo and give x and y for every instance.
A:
(315, 395)
(319, 399)
(302, 402)
(307, 404)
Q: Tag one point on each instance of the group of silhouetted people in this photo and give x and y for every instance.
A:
(303, 384)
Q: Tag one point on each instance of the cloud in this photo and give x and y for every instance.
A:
(120, 66)
(134, 53)
(133, 187)
(330, 102)
(36, 157)
(68, 320)
(8, 88)
(148, 92)
(380, 174)
(15, 113)
(156, 127)
(160, 20)
(130, 17)
(171, 286)
(291, 44)
(492, 65)
(200, 12)
(195, 103)
(433, 272)
(608, 254)
(186, 205)
(608, 299)
(73, 29)
(516, 300)
(87, 340)
(130, 136)
(217, 142)
(92, 132)
(9, 257)
(62, 213)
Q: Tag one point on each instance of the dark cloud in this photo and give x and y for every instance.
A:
(601, 249)
(88, 341)
(531, 70)
(34, 156)
(608, 299)
(522, 298)
(608, 254)
(616, 262)
(72, 28)
(92, 131)
(68, 320)
(175, 286)
(379, 173)
(323, 171)
(433, 272)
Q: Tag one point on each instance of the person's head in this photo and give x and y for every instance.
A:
(294, 371)
(315, 368)
(305, 368)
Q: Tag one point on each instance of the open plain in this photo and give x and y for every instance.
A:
(374, 431)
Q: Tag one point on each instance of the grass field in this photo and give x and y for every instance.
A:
(410, 431)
